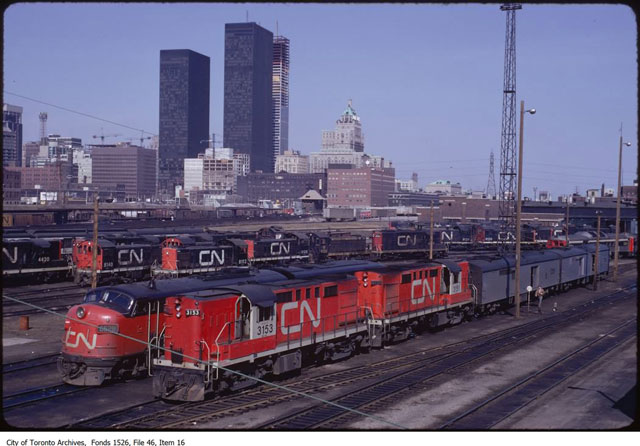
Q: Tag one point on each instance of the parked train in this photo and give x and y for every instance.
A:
(106, 336)
(280, 319)
(121, 259)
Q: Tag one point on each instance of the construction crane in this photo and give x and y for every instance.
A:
(141, 139)
(102, 136)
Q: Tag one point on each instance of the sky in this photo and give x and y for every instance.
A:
(425, 79)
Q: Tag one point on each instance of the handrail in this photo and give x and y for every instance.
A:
(218, 347)
(208, 375)
(474, 293)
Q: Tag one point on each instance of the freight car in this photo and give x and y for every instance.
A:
(109, 334)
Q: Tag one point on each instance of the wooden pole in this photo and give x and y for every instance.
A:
(595, 260)
(94, 245)
(567, 222)
(431, 233)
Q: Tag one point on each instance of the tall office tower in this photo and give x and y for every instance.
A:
(248, 110)
(184, 113)
(348, 134)
(280, 95)
(11, 135)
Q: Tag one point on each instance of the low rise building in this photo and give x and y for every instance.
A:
(11, 186)
(124, 166)
(291, 161)
(444, 187)
(359, 187)
(280, 187)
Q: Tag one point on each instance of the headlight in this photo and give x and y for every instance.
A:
(80, 312)
(107, 328)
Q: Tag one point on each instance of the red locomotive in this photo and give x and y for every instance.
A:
(109, 334)
(113, 332)
(274, 328)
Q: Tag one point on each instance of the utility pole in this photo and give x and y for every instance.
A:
(567, 223)
(431, 233)
(595, 260)
(94, 244)
(619, 193)
(519, 208)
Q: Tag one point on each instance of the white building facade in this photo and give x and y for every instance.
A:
(292, 162)
(215, 171)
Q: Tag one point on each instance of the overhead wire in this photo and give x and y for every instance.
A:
(197, 360)
(81, 113)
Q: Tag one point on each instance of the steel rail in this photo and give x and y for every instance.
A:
(323, 416)
(515, 397)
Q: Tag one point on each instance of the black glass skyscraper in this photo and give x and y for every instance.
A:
(248, 110)
(184, 113)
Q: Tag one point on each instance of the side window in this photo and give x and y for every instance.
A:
(406, 278)
(298, 294)
(331, 291)
(264, 313)
(308, 295)
(456, 277)
(433, 273)
(317, 292)
(285, 296)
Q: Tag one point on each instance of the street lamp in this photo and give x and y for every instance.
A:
(616, 249)
(519, 207)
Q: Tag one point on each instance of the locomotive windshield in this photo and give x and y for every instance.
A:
(115, 300)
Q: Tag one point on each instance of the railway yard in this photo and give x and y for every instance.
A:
(574, 366)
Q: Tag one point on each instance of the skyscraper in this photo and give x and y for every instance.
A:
(11, 135)
(184, 113)
(248, 110)
(280, 95)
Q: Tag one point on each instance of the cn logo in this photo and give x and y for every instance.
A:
(304, 308)
(126, 256)
(406, 240)
(80, 337)
(210, 257)
(420, 288)
(13, 259)
(279, 248)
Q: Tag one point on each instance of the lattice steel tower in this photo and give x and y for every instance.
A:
(491, 182)
(508, 180)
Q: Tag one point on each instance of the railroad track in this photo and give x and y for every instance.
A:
(29, 363)
(37, 394)
(514, 398)
(397, 386)
(157, 414)
(27, 299)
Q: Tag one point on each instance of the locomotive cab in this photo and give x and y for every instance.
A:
(93, 349)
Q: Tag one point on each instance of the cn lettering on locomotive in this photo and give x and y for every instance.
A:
(126, 256)
(14, 258)
(304, 308)
(279, 248)
(406, 240)
(209, 257)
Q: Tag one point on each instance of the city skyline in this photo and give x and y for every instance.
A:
(426, 79)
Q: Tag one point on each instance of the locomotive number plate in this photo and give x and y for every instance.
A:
(192, 312)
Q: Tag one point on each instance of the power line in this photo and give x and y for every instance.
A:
(80, 113)
(198, 360)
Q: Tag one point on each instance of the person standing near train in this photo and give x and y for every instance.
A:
(540, 292)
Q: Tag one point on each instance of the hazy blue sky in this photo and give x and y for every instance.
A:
(426, 79)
